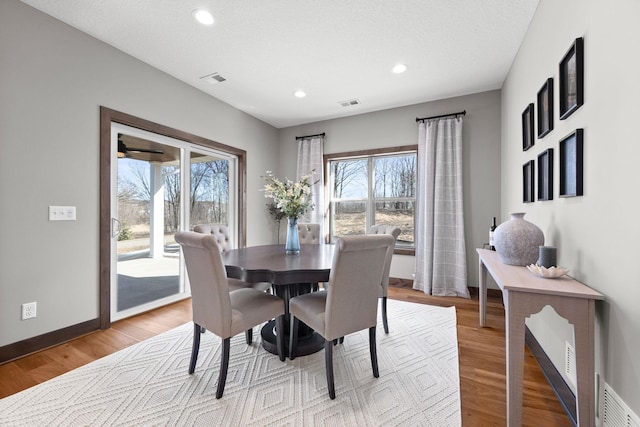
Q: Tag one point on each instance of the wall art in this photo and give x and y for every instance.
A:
(545, 108)
(545, 175)
(571, 152)
(572, 79)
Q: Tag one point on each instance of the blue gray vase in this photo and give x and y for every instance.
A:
(517, 240)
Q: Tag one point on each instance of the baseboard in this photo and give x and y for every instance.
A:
(560, 388)
(400, 283)
(31, 345)
(397, 282)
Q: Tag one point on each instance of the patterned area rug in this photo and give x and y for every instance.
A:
(147, 384)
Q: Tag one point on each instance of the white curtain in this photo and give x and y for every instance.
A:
(441, 266)
(310, 152)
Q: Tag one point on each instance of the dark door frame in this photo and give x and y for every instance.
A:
(109, 116)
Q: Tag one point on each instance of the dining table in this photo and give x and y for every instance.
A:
(290, 275)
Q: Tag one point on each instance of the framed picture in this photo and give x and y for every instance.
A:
(572, 79)
(527, 128)
(545, 175)
(571, 164)
(527, 181)
(545, 108)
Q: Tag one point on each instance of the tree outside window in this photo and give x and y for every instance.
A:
(373, 189)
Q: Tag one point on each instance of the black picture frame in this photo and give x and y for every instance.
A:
(528, 182)
(545, 108)
(572, 79)
(545, 175)
(527, 128)
(571, 155)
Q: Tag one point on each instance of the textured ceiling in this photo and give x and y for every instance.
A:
(334, 50)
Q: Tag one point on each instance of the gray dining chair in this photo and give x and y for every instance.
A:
(309, 233)
(351, 302)
(221, 233)
(217, 309)
(384, 285)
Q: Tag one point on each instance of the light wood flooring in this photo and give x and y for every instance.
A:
(481, 353)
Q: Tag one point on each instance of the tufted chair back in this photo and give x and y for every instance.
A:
(309, 233)
(220, 233)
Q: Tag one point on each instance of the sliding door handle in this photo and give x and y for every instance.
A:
(116, 227)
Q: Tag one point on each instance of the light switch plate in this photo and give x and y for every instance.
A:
(62, 213)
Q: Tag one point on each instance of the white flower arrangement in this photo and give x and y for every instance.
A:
(293, 199)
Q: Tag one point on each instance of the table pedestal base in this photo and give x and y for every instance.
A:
(309, 342)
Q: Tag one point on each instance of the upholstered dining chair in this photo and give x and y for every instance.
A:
(217, 309)
(309, 233)
(220, 232)
(351, 302)
(384, 285)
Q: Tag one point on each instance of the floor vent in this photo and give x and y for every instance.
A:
(615, 412)
(350, 102)
(570, 363)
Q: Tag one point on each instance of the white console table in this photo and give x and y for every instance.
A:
(525, 294)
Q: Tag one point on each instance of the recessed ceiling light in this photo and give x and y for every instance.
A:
(300, 94)
(203, 16)
(400, 68)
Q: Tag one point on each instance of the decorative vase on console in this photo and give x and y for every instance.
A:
(517, 240)
(292, 246)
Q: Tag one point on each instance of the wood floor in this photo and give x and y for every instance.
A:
(481, 353)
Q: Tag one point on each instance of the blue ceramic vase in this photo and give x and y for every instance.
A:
(292, 246)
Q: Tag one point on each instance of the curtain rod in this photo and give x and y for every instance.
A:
(461, 113)
(310, 136)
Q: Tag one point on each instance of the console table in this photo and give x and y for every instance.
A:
(524, 294)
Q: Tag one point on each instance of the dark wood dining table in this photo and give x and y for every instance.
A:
(289, 275)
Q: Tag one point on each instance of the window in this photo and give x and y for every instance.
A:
(368, 188)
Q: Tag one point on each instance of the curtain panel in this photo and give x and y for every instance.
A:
(310, 153)
(441, 267)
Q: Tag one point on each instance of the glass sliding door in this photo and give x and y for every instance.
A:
(162, 186)
(210, 187)
(145, 262)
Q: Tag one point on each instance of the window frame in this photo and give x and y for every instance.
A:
(369, 155)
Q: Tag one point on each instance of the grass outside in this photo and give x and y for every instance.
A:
(348, 224)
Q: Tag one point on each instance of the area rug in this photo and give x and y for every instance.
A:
(147, 384)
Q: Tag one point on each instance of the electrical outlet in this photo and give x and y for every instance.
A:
(29, 310)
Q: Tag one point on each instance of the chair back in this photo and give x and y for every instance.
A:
(309, 233)
(392, 231)
(220, 232)
(208, 278)
(354, 283)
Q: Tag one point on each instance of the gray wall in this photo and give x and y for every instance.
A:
(396, 127)
(53, 81)
(596, 234)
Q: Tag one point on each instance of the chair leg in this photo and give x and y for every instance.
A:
(372, 350)
(328, 361)
(293, 322)
(224, 366)
(195, 348)
(280, 337)
(384, 315)
(248, 335)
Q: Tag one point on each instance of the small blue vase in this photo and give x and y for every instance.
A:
(292, 247)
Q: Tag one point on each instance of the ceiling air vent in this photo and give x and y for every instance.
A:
(214, 78)
(350, 102)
